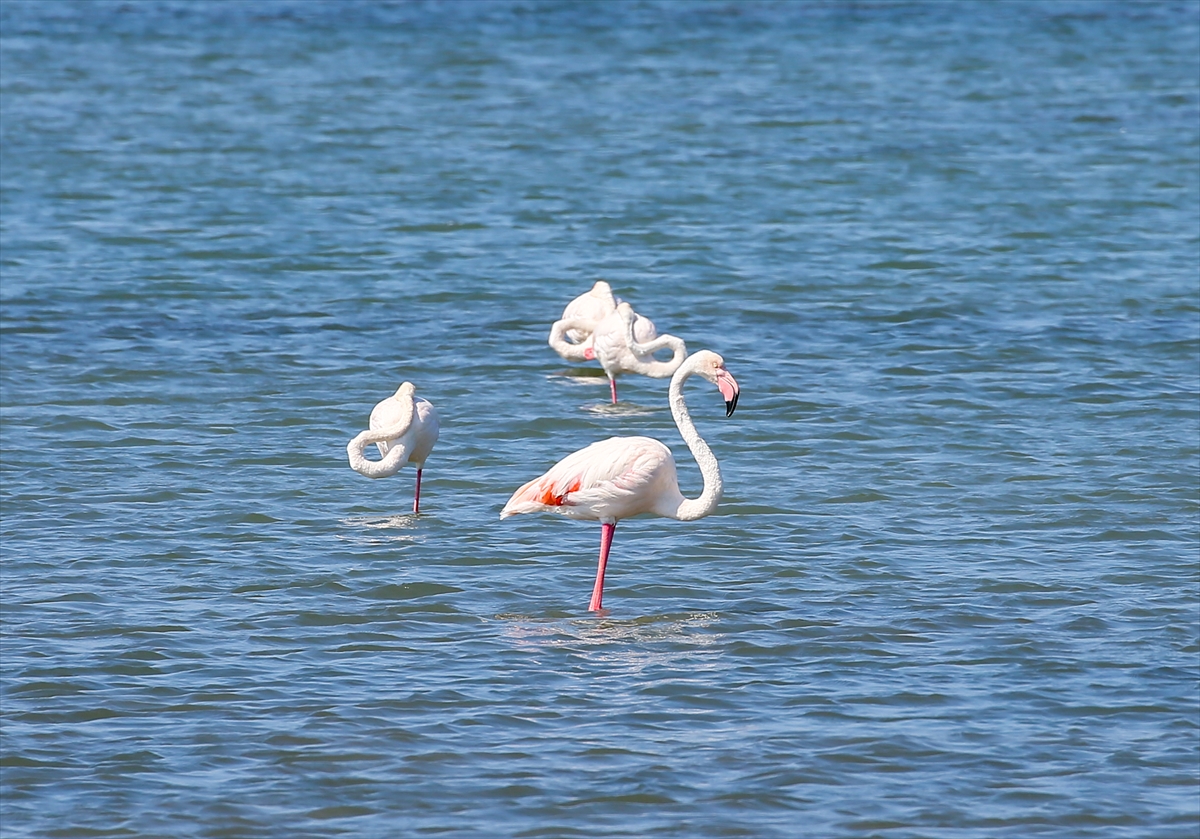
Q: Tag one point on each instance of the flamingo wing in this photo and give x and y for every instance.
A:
(610, 479)
(386, 414)
(591, 306)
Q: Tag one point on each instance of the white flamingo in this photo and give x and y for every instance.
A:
(625, 342)
(625, 476)
(404, 428)
(570, 336)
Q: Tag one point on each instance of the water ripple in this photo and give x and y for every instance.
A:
(948, 251)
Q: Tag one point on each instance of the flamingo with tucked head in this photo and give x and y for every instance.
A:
(625, 342)
(570, 336)
(626, 476)
(404, 428)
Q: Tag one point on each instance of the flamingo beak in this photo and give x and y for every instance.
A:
(589, 353)
(729, 389)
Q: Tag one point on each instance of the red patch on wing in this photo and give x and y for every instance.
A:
(551, 499)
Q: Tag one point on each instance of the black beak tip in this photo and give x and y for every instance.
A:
(731, 406)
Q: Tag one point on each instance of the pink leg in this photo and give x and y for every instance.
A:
(417, 494)
(612, 383)
(606, 537)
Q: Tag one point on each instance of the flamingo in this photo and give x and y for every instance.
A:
(570, 336)
(625, 342)
(404, 428)
(626, 476)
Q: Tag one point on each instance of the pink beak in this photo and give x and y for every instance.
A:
(728, 386)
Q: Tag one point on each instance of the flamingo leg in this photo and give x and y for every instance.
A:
(612, 384)
(417, 494)
(606, 536)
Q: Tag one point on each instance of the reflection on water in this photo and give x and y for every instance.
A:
(621, 409)
(677, 644)
(689, 630)
(383, 529)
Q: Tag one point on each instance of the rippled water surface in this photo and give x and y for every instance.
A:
(951, 251)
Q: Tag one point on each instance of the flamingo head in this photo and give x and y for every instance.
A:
(405, 391)
(643, 329)
(712, 367)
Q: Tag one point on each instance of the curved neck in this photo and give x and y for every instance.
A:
(397, 453)
(647, 365)
(644, 361)
(389, 465)
(694, 508)
(558, 338)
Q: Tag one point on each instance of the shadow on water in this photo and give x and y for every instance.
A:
(585, 376)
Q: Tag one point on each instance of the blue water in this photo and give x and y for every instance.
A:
(951, 252)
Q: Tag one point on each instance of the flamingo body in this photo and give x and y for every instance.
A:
(571, 335)
(608, 480)
(421, 435)
(611, 344)
(592, 305)
(625, 342)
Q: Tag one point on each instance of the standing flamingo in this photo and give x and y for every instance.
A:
(625, 342)
(404, 428)
(625, 476)
(570, 336)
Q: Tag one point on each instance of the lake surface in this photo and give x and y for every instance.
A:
(951, 252)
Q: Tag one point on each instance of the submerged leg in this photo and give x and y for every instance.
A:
(612, 384)
(606, 536)
(417, 494)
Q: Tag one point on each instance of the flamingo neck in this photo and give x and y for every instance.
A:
(690, 509)
(397, 453)
(647, 365)
(560, 344)
(644, 361)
